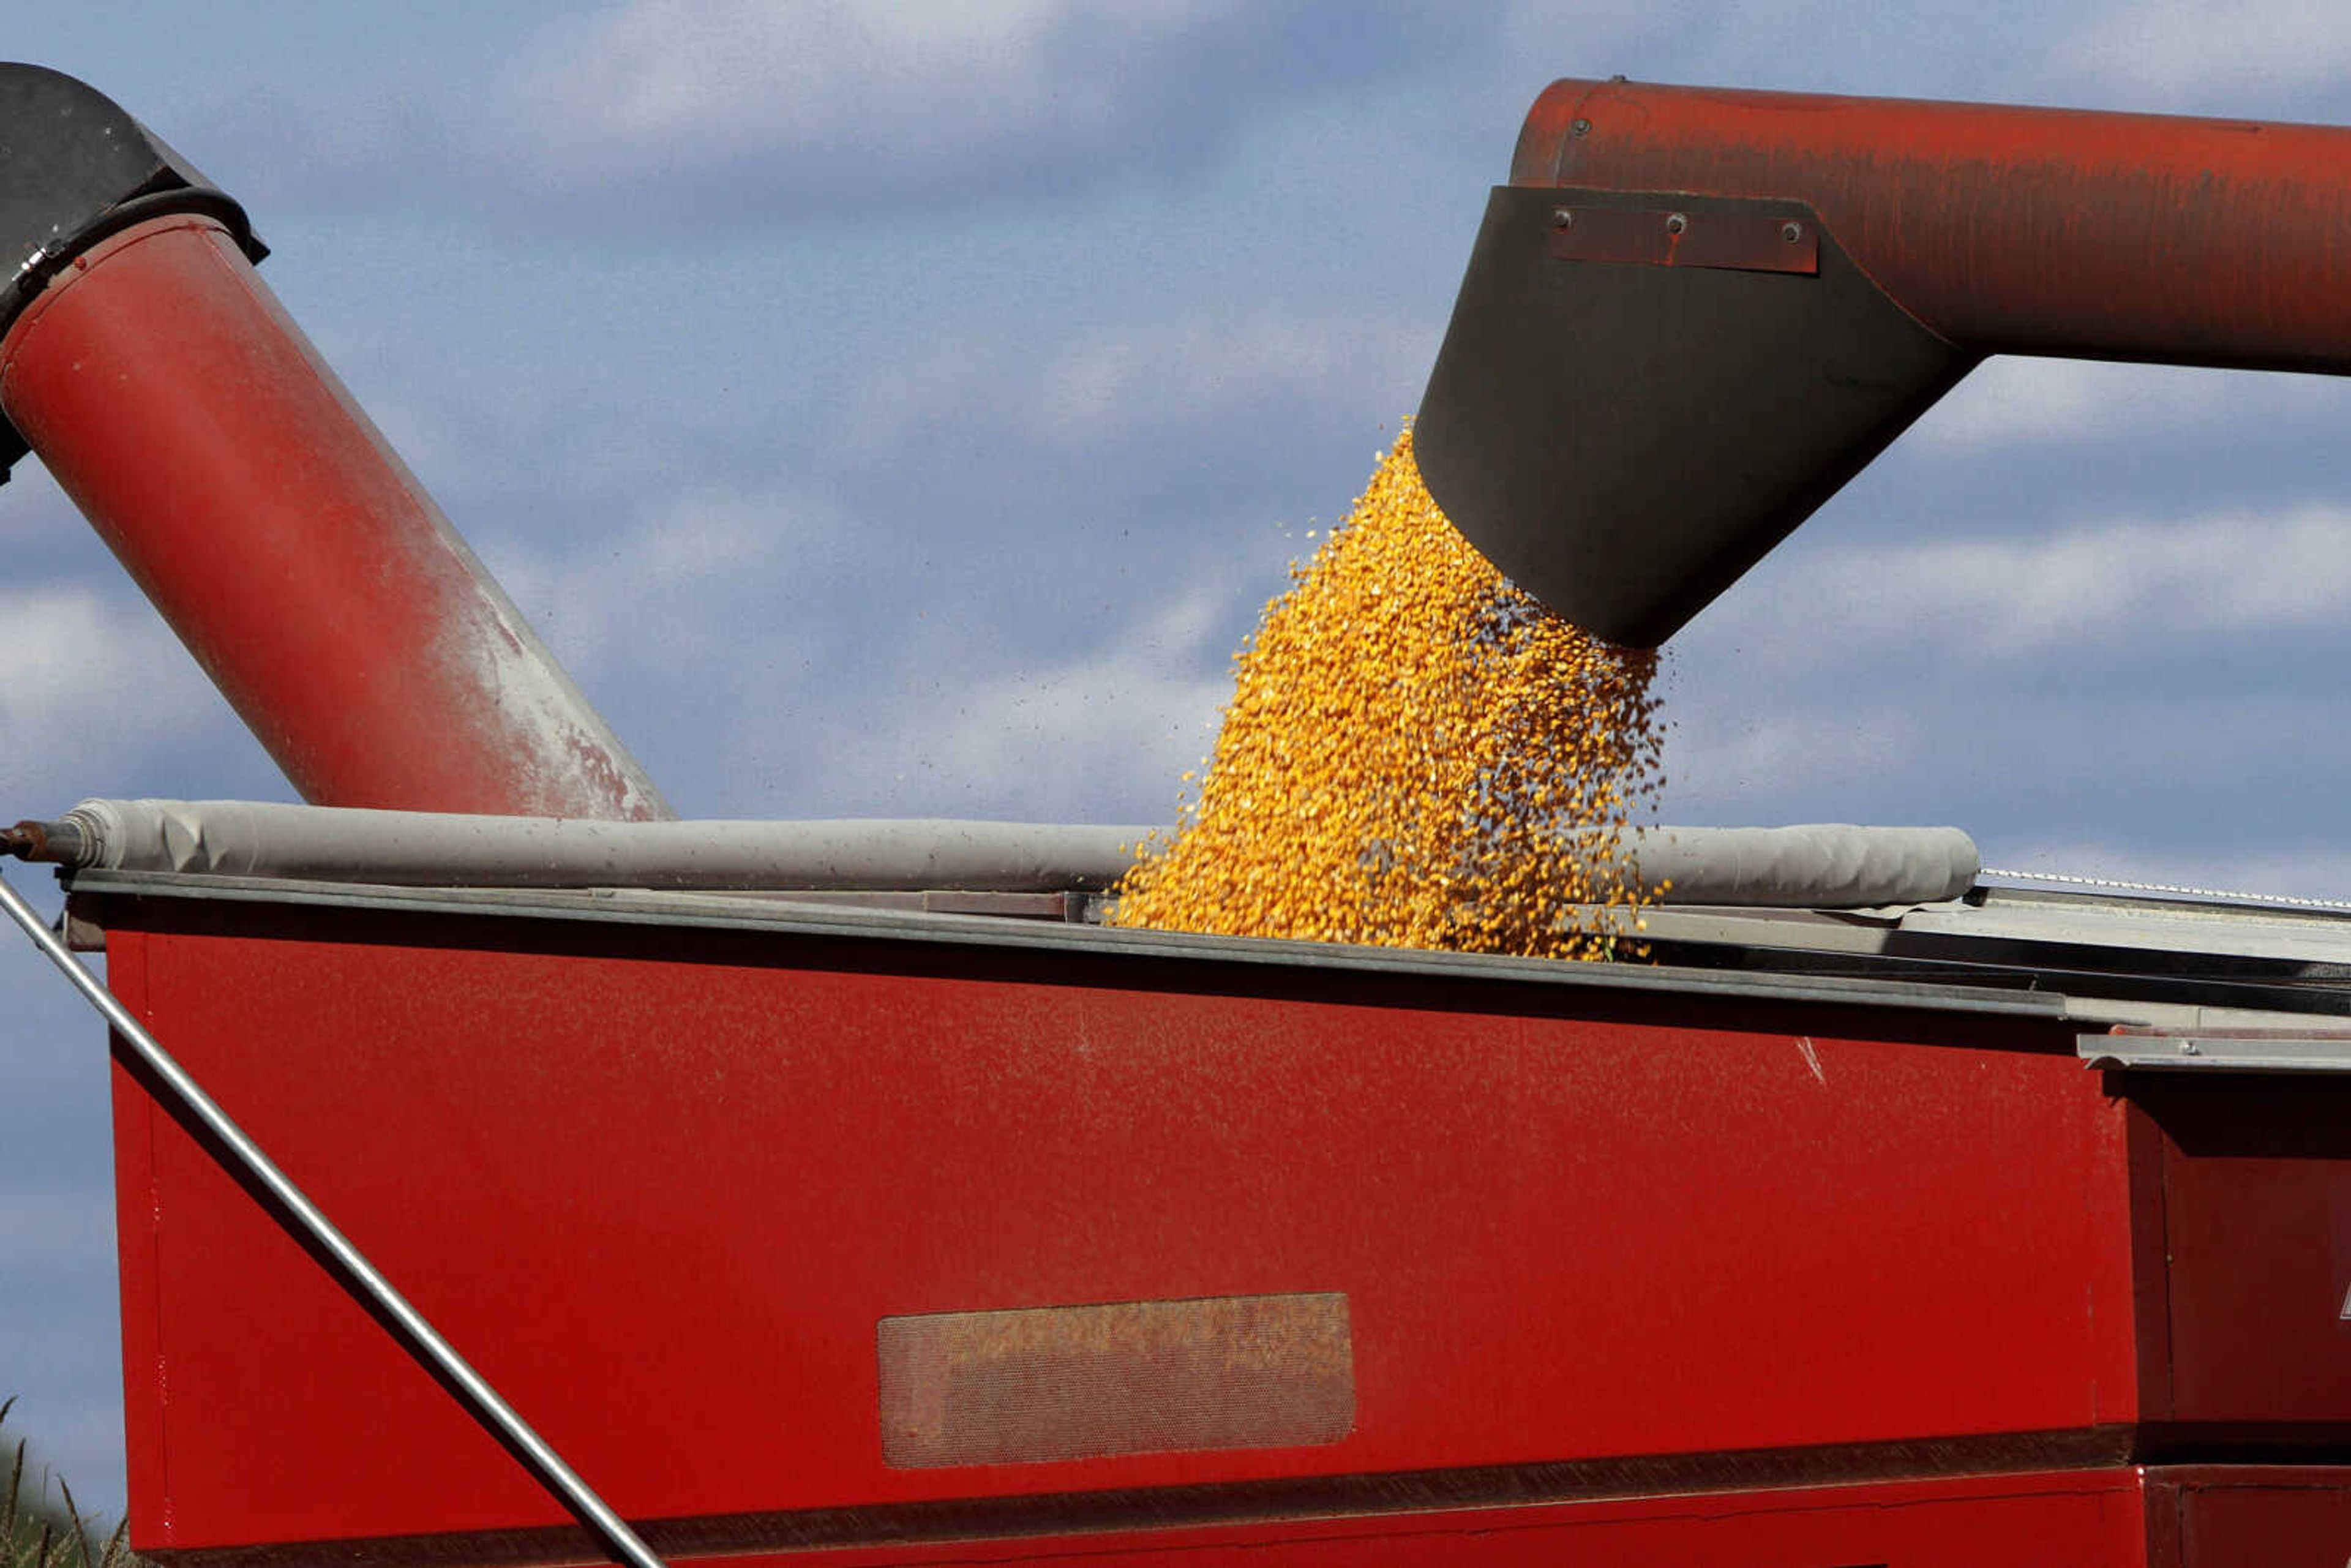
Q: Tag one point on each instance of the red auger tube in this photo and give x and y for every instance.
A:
(174, 399)
(1693, 314)
(2076, 232)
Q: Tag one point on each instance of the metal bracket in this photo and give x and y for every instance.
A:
(1686, 235)
(2131, 1048)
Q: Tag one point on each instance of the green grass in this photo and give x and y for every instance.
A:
(35, 1533)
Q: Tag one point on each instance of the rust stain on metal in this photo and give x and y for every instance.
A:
(2009, 229)
(1040, 1384)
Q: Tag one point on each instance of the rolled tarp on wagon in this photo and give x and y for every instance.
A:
(1829, 867)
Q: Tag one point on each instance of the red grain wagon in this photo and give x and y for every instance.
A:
(885, 1221)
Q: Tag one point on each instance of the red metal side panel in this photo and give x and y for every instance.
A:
(2251, 1516)
(2257, 1213)
(2066, 1519)
(137, 1203)
(662, 1186)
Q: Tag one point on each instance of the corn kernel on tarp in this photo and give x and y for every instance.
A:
(1415, 755)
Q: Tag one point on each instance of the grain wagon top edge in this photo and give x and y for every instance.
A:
(676, 911)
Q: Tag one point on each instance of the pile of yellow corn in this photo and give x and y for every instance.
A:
(1416, 755)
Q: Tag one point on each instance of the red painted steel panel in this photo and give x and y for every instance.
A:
(661, 1185)
(182, 408)
(2254, 1516)
(137, 1208)
(2010, 229)
(2065, 1520)
(2257, 1205)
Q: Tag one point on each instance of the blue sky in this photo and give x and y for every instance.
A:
(906, 410)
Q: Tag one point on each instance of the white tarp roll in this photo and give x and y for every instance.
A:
(1830, 865)
(423, 849)
(1822, 867)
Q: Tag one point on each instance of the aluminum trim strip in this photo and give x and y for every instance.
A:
(2216, 1052)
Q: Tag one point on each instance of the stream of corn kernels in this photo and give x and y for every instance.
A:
(1415, 755)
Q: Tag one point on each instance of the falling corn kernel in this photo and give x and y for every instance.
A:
(1416, 755)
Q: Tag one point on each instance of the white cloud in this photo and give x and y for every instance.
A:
(1984, 50)
(2316, 869)
(1588, 40)
(1056, 743)
(2140, 680)
(1720, 753)
(36, 511)
(2212, 53)
(681, 590)
(91, 689)
(1133, 715)
(1089, 391)
(669, 85)
(2006, 601)
(2157, 56)
(2011, 402)
(1099, 732)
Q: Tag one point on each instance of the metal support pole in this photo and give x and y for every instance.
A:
(419, 1336)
